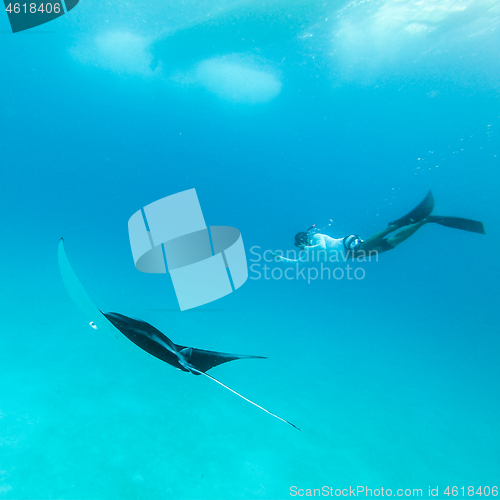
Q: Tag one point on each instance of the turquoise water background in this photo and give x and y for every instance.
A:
(281, 115)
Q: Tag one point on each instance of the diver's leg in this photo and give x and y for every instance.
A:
(373, 241)
(381, 245)
(404, 233)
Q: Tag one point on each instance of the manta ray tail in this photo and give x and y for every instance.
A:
(243, 397)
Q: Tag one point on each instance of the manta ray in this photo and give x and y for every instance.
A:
(146, 336)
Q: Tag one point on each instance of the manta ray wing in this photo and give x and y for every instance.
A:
(147, 337)
(205, 360)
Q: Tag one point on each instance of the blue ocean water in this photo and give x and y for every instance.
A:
(281, 115)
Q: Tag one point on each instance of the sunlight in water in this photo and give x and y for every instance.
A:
(235, 79)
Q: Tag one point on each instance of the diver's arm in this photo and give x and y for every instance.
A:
(284, 259)
(303, 257)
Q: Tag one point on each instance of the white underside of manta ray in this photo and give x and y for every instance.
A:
(146, 336)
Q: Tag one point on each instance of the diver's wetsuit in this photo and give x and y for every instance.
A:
(324, 248)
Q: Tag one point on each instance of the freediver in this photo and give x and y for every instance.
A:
(323, 247)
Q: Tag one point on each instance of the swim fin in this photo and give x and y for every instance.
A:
(419, 213)
(473, 226)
